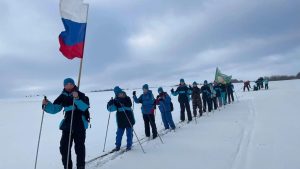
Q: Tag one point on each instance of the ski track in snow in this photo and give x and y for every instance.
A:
(241, 156)
(101, 161)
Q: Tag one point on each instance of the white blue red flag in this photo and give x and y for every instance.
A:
(74, 17)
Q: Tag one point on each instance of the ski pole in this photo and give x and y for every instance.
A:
(38, 145)
(132, 128)
(70, 134)
(106, 130)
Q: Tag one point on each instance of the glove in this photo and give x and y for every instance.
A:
(154, 106)
(172, 90)
(75, 95)
(158, 97)
(45, 102)
(134, 93)
(111, 102)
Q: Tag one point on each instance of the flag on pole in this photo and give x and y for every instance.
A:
(74, 17)
(222, 78)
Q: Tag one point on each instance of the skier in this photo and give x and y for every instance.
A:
(261, 81)
(223, 93)
(183, 93)
(196, 99)
(266, 83)
(206, 97)
(213, 96)
(148, 103)
(218, 94)
(80, 107)
(125, 117)
(163, 100)
(247, 85)
(257, 85)
(230, 91)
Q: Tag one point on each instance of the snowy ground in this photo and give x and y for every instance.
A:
(260, 131)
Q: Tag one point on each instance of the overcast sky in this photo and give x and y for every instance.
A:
(132, 42)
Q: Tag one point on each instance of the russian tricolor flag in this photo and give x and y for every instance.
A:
(74, 17)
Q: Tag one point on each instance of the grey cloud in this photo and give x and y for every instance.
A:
(131, 42)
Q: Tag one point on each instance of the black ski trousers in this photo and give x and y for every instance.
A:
(79, 139)
(149, 119)
(185, 105)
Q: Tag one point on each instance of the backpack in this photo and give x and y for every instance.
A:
(171, 104)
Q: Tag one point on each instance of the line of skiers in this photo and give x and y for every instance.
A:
(214, 95)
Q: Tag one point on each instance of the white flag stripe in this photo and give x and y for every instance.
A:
(74, 10)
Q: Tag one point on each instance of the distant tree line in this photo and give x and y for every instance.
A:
(236, 81)
(283, 77)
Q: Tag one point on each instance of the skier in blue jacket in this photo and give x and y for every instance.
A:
(266, 83)
(218, 90)
(163, 100)
(148, 104)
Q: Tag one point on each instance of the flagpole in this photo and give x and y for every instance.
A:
(80, 71)
(78, 85)
(81, 60)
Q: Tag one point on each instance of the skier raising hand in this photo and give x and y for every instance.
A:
(148, 102)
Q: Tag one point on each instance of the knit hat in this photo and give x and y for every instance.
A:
(205, 82)
(117, 90)
(195, 83)
(146, 86)
(69, 80)
(181, 80)
(160, 90)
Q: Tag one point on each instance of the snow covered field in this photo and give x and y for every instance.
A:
(260, 131)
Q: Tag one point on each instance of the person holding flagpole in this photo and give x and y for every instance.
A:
(74, 15)
(80, 121)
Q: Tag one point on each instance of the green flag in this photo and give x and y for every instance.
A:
(222, 78)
